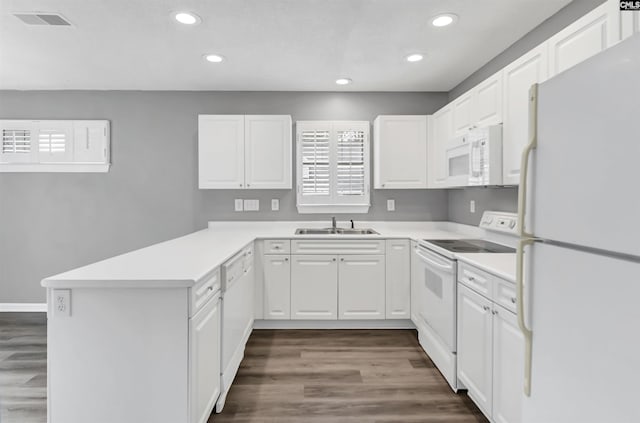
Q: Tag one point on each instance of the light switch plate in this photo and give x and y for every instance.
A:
(62, 302)
(275, 204)
(251, 205)
(472, 206)
(391, 205)
(238, 204)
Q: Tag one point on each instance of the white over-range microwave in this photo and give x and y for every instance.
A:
(475, 158)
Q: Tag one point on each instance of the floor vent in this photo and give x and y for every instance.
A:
(51, 19)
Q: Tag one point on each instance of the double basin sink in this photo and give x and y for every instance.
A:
(335, 231)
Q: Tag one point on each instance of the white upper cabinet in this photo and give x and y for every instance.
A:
(519, 76)
(629, 23)
(221, 151)
(268, 152)
(361, 287)
(440, 132)
(400, 152)
(238, 151)
(91, 141)
(463, 113)
(488, 101)
(594, 32)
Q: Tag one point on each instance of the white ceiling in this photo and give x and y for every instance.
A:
(269, 45)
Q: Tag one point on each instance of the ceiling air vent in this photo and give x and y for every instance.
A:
(51, 19)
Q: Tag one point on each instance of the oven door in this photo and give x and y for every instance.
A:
(458, 158)
(436, 279)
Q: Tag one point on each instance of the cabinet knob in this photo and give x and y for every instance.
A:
(494, 312)
(286, 259)
(210, 288)
(513, 300)
(383, 185)
(248, 185)
(333, 259)
(342, 259)
(276, 247)
(240, 184)
(471, 279)
(485, 308)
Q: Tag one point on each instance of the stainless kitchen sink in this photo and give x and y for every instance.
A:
(336, 231)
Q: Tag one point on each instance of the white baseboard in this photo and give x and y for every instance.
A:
(333, 324)
(23, 307)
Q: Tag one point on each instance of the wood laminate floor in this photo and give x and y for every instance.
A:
(364, 376)
(287, 376)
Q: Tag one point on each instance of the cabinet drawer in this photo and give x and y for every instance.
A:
(277, 246)
(247, 263)
(338, 246)
(505, 294)
(204, 290)
(232, 270)
(476, 279)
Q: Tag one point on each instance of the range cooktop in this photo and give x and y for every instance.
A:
(470, 246)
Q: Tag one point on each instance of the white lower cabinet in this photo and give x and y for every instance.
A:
(475, 346)
(277, 287)
(314, 287)
(508, 374)
(398, 279)
(204, 360)
(490, 351)
(361, 287)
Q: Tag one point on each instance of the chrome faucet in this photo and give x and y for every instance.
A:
(333, 222)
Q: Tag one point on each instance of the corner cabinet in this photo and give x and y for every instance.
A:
(244, 152)
(400, 152)
(519, 76)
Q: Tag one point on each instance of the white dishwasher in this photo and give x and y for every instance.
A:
(237, 315)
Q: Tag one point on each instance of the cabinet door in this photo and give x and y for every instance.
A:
(463, 113)
(488, 101)
(277, 287)
(629, 23)
(398, 279)
(204, 364)
(400, 152)
(361, 287)
(221, 151)
(475, 346)
(508, 367)
(519, 76)
(314, 287)
(268, 159)
(586, 37)
(439, 137)
(90, 141)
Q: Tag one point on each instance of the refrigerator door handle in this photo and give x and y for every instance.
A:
(528, 333)
(524, 165)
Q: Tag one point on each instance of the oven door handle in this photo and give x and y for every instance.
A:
(430, 262)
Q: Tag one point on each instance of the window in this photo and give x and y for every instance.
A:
(54, 146)
(333, 167)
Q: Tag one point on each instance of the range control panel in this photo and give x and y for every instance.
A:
(500, 222)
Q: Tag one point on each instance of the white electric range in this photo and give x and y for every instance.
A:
(434, 286)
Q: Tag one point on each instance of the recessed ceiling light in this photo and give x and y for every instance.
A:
(343, 81)
(416, 57)
(213, 58)
(187, 18)
(444, 19)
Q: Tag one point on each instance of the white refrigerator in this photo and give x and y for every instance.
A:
(579, 280)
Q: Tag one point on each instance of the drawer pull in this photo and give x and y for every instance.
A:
(485, 308)
(472, 279)
(276, 247)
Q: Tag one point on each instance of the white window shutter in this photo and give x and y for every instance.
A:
(350, 163)
(55, 141)
(316, 174)
(16, 144)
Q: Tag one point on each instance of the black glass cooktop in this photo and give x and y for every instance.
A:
(470, 246)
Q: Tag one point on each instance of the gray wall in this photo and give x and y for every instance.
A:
(551, 26)
(500, 199)
(50, 222)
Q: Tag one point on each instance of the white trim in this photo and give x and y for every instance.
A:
(332, 208)
(57, 168)
(333, 324)
(23, 307)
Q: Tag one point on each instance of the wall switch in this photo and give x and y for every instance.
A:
(251, 205)
(275, 204)
(62, 302)
(391, 205)
(238, 204)
(472, 206)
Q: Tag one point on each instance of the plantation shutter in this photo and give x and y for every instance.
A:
(333, 167)
(54, 141)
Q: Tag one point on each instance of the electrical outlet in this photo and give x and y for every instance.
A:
(472, 206)
(238, 204)
(275, 204)
(391, 205)
(62, 302)
(251, 205)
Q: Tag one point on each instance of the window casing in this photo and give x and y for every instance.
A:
(333, 166)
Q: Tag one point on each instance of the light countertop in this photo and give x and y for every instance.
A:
(183, 261)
